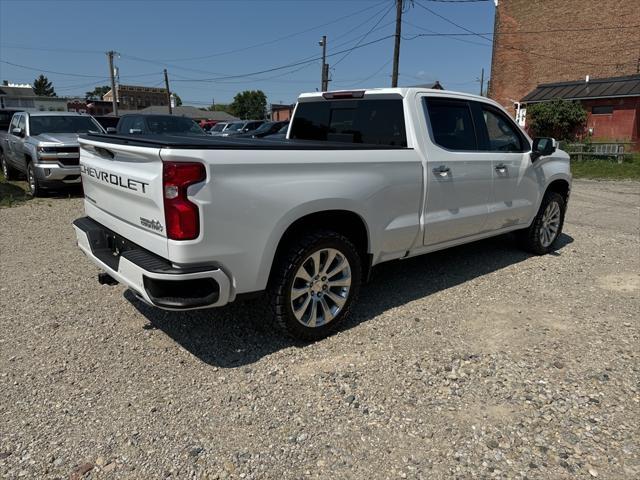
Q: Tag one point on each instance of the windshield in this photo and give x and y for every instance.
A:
(235, 127)
(218, 127)
(162, 125)
(62, 124)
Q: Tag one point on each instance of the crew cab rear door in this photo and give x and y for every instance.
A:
(123, 190)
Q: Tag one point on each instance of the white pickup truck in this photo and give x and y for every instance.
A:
(364, 177)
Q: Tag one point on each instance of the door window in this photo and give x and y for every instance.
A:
(22, 124)
(14, 122)
(452, 124)
(502, 134)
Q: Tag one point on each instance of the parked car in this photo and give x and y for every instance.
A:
(218, 129)
(140, 124)
(106, 121)
(365, 177)
(264, 130)
(280, 134)
(237, 128)
(207, 125)
(44, 147)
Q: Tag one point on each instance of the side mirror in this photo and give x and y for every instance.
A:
(542, 147)
(111, 130)
(17, 132)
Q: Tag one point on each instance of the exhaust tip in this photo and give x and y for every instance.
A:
(106, 279)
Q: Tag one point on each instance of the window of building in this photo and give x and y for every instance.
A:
(373, 122)
(602, 109)
(452, 124)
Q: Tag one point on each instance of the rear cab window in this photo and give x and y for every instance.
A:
(358, 121)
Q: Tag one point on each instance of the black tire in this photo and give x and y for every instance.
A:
(35, 189)
(530, 239)
(282, 282)
(8, 171)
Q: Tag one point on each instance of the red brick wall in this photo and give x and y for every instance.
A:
(622, 124)
(520, 62)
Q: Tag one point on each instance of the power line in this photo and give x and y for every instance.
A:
(386, 12)
(275, 40)
(215, 79)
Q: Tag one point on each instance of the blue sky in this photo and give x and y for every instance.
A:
(207, 46)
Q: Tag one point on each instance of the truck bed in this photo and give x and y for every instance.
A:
(228, 143)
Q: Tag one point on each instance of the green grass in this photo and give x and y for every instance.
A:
(12, 193)
(607, 169)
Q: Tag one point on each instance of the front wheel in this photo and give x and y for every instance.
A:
(542, 235)
(314, 285)
(34, 184)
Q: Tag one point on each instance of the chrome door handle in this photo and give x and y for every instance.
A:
(442, 171)
(501, 168)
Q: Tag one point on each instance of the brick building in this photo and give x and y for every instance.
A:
(135, 97)
(577, 38)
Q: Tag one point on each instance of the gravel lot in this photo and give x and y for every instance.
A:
(476, 362)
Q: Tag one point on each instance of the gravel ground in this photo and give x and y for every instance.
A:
(476, 362)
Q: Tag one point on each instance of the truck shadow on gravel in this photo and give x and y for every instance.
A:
(242, 333)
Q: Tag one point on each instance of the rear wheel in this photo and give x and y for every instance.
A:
(542, 235)
(315, 284)
(34, 184)
(8, 172)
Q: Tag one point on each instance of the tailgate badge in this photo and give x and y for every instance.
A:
(152, 224)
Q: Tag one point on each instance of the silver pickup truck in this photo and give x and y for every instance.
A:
(44, 147)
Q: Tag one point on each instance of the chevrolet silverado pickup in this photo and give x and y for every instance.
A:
(363, 177)
(44, 147)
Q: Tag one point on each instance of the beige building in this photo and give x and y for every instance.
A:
(134, 97)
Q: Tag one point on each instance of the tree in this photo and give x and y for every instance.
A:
(560, 119)
(249, 104)
(42, 87)
(97, 93)
(178, 100)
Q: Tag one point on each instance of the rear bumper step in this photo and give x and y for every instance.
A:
(152, 278)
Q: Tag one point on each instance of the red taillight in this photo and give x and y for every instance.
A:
(181, 216)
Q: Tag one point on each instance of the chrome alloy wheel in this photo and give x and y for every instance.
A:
(31, 177)
(550, 224)
(320, 287)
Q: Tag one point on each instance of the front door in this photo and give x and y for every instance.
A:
(515, 188)
(459, 175)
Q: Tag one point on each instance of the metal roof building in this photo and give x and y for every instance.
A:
(588, 89)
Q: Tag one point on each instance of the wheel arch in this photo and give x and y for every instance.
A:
(344, 221)
(560, 186)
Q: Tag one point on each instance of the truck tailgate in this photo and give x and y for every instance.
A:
(123, 191)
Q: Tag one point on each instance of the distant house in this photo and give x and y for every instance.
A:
(281, 113)
(434, 86)
(612, 105)
(92, 107)
(184, 111)
(22, 97)
(137, 97)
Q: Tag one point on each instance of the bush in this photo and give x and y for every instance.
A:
(560, 119)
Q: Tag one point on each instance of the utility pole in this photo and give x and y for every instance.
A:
(324, 83)
(481, 81)
(166, 84)
(114, 93)
(396, 48)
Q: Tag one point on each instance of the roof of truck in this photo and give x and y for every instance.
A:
(398, 91)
